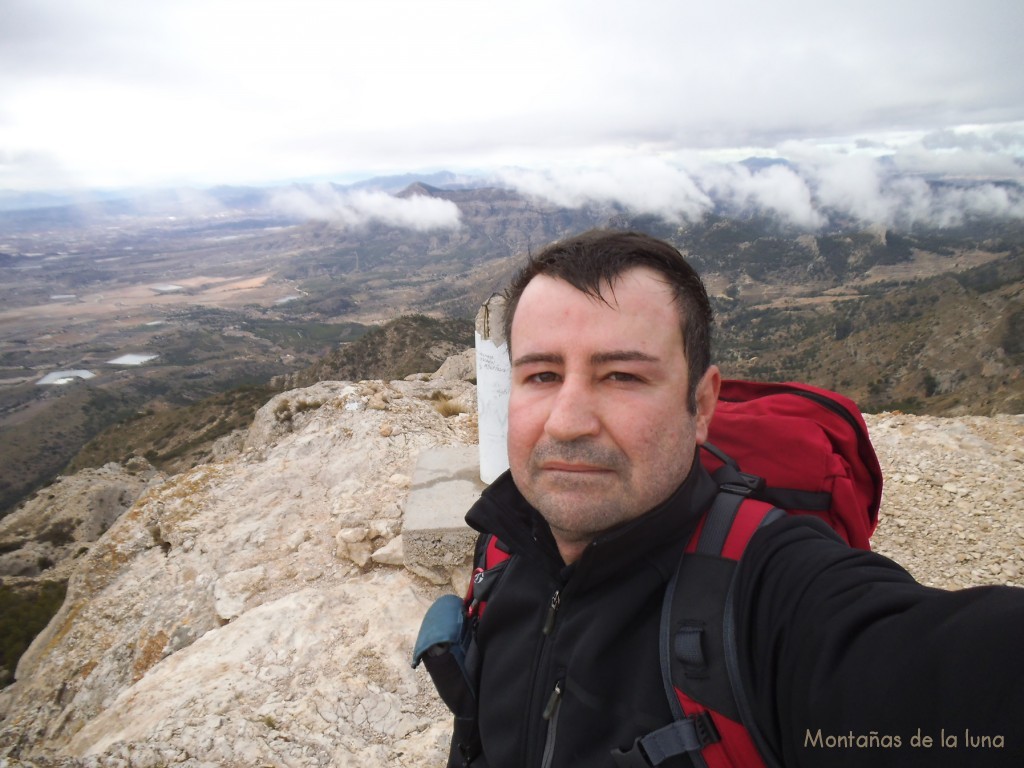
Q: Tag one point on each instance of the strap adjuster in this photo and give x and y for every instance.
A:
(707, 733)
(681, 737)
(743, 483)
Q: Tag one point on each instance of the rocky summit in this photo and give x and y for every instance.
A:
(256, 610)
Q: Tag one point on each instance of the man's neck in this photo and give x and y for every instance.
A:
(571, 550)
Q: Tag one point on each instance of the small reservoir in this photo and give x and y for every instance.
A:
(64, 377)
(131, 359)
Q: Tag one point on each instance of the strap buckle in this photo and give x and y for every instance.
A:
(681, 737)
(743, 484)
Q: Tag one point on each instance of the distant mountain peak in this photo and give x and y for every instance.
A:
(419, 188)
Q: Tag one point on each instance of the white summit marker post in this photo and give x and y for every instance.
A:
(493, 376)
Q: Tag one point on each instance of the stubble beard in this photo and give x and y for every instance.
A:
(580, 506)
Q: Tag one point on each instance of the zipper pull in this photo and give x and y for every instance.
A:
(553, 700)
(549, 622)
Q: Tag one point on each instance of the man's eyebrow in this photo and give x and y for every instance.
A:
(623, 356)
(598, 358)
(539, 357)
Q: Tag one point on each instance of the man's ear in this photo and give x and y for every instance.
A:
(707, 399)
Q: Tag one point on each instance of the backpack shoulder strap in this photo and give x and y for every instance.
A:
(489, 563)
(698, 652)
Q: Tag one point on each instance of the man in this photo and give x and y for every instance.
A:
(612, 393)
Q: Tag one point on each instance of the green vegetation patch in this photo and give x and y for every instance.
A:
(304, 336)
(58, 534)
(175, 439)
(24, 613)
(393, 351)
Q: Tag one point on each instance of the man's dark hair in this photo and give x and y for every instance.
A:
(592, 261)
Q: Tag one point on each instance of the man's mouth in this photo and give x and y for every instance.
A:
(565, 466)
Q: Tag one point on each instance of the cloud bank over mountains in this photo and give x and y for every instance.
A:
(805, 186)
(809, 188)
(940, 179)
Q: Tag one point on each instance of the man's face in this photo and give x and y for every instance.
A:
(599, 431)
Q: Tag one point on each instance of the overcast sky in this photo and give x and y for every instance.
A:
(565, 99)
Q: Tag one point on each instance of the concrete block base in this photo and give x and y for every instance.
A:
(445, 484)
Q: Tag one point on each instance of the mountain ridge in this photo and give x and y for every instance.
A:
(280, 294)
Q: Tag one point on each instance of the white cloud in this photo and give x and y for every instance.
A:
(849, 183)
(776, 189)
(970, 159)
(952, 206)
(642, 184)
(351, 210)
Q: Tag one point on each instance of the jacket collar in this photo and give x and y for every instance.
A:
(502, 511)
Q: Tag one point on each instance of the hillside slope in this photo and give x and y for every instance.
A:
(949, 344)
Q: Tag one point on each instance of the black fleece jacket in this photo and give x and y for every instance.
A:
(850, 662)
(839, 648)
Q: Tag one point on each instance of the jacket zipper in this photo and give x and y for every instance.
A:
(550, 714)
(553, 606)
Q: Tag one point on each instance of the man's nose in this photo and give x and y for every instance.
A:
(573, 412)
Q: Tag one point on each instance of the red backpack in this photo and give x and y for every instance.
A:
(771, 447)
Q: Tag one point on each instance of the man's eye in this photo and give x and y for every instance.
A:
(545, 377)
(621, 376)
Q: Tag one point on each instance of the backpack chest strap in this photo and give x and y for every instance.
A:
(682, 737)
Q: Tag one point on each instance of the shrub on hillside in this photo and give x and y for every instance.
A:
(24, 613)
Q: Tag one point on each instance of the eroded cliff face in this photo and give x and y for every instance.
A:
(45, 536)
(255, 611)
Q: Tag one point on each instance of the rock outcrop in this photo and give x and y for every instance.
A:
(46, 534)
(255, 611)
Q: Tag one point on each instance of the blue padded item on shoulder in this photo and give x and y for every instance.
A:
(441, 628)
